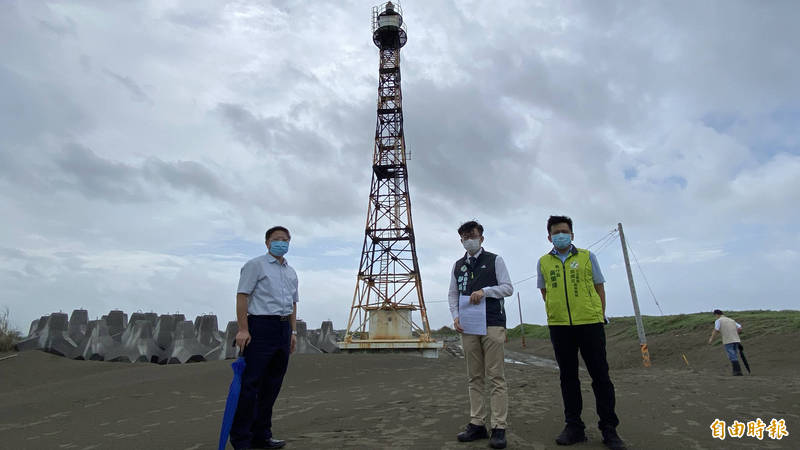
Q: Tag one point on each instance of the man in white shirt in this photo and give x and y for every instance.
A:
(729, 329)
(266, 309)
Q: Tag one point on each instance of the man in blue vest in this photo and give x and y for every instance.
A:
(575, 300)
(266, 308)
(484, 278)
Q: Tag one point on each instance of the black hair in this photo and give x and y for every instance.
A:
(717, 312)
(467, 227)
(274, 229)
(555, 220)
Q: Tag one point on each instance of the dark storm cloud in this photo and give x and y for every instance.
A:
(249, 129)
(463, 149)
(62, 28)
(317, 164)
(197, 19)
(136, 92)
(32, 108)
(96, 177)
(186, 175)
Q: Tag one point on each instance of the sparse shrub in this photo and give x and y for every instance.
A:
(8, 337)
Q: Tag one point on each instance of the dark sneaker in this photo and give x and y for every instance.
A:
(498, 439)
(571, 435)
(612, 440)
(271, 443)
(472, 433)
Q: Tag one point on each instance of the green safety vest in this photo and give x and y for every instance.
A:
(570, 298)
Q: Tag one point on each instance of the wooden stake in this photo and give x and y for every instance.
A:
(521, 322)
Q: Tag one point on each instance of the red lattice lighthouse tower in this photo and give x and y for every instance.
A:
(388, 310)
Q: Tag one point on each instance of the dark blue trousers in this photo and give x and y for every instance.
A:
(590, 341)
(267, 357)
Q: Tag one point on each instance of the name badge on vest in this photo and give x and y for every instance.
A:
(463, 279)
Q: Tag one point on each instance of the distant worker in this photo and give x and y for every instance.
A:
(483, 277)
(729, 329)
(573, 290)
(266, 309)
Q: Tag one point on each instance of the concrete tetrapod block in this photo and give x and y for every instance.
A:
(207, 331)
(231, 351)
(185, 347)
(34, 327)
(41, 324)
(152, 317)
(78, 325)
(165, 330)
(31, 342)
(138, 344)
(116, 321)
(53, 338)
(303, 344)
(137, 316)
(327, 338)
(226, 349)
(98, 342)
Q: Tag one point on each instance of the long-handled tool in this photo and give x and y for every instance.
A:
(744, 360)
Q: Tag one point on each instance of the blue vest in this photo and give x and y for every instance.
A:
(471, 278)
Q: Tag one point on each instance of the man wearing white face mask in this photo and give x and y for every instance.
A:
(484, 278)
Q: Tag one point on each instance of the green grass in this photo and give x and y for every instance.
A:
(753, 322)
(531, 331)
(444, 331)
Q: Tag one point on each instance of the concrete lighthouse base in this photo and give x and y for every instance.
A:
(390, 331)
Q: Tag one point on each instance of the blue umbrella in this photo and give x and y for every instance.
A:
(233, 400)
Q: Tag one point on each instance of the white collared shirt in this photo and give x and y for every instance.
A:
(271, 286)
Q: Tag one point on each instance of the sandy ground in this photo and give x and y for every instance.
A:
(396, 401)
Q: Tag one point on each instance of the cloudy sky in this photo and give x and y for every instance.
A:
(146, 146)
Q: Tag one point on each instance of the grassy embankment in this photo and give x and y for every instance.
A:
(756, 322)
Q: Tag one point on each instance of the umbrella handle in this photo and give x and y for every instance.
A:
(241, 350)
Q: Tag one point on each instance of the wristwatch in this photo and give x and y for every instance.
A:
(294, 332)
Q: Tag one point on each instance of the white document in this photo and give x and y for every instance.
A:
(472, 318)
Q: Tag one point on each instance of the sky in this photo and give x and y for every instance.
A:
(145, 147)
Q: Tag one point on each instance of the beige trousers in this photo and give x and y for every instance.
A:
(484, 355)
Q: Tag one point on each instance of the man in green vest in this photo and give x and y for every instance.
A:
(575, 300)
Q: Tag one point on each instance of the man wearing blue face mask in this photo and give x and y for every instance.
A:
(575, 300)
(266, 309)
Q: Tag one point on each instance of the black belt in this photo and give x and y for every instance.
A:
(270, 317)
